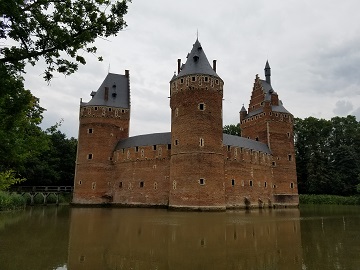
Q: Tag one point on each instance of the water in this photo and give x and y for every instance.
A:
(322, 237)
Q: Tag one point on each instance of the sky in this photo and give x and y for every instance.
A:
(313, 47)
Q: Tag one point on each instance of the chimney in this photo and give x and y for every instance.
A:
(179, 65)
(106, 94)
(126, 73)
(214, 65)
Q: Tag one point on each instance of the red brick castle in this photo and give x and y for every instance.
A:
(195, 166)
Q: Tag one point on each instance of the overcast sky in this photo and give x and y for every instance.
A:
(313, 47)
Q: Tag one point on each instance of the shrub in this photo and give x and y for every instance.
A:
(11, 201)
(329, 199)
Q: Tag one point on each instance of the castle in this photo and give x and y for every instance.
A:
(195, 166)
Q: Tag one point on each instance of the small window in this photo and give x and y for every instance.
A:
(136, 148)
(274, 163)
(122, 111)
(274, 186)
(217, 81)
(109, 109)
(176, 142)
(154, 147)
(90, 130)
(291, 185)
(206, 79)
(250, 183)
(288, 134)
(181, 80)
(141, 184)
(90, 156)
(233, 182)
(201, 142)
(270, 113)
(202, 181)
(290, 157)
(95, 108)
(257, 139)
(201, 106)
(80, 182)
(228, 147)
(193, 78)
(265, 184)
(169, 146)
(120, 184)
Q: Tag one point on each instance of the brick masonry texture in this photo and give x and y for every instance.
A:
(197, 171)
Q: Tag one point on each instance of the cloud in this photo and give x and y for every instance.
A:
(313, 49)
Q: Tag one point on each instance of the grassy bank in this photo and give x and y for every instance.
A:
(11, 201)
(329, 199)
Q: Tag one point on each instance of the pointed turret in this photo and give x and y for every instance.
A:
(267, 72)
(243, 113)
(197, 62)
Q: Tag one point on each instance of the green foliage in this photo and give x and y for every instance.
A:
(56, 164)
(11, 201)
(58, 31)
(232, 129)
(329, 199)
(327, 155)
(8, 178)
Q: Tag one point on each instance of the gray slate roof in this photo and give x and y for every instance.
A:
(196, 63)
(165, 138)
(267, 89)
(119, 92)
(145, 140)
(245, 143)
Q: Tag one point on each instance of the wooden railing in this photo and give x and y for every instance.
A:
(45, 191)
(49, 189)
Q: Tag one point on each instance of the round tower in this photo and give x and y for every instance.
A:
(103, 121)
(197, 159)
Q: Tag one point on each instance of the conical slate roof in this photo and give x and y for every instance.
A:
(118, 92)
(197, 63)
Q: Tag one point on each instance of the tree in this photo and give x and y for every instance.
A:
(55, 165)
(8, 178)
(58, 31)
(328, 155)
(21, 138)
(232, 129)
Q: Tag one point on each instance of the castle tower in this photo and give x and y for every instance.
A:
(103, 121)
(269, 122)
(197, 159)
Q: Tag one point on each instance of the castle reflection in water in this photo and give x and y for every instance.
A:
(104, 238)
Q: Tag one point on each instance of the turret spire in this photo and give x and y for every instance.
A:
(267, 72)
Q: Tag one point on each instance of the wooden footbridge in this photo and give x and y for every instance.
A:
(45, 192)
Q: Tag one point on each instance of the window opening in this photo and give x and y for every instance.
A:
(250, 183)
(233, 182)
(141, 184)
(202, 181)
(90, 156)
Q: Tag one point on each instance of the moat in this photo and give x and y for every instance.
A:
(312, 237)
